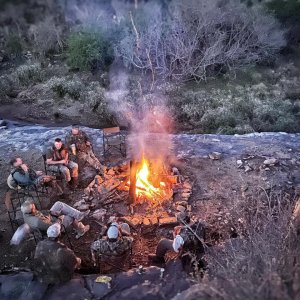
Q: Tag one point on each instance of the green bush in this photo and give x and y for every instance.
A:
(88, 49)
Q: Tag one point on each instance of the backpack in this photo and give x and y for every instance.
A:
(11, 182)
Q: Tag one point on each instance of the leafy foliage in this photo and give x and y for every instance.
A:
(87, 49)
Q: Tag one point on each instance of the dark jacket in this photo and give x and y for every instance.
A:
(57, 155)
(22, 177)
(54, 262)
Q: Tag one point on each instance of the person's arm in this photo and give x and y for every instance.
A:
(50, 160)
(86, 139)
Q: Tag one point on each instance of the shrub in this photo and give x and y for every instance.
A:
(63, 86)
(87, 49)
(198, 38)
(46, 37)
(28, 74)
(14, 46)
(288, 12)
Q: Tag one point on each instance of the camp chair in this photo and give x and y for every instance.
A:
(57, 173)
(13, 208)
(113, 139)
(114, 263)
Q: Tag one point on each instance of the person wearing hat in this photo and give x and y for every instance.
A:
(59, 212)
(184, 238)
(79, 144)
(116, 242)
(54, 262)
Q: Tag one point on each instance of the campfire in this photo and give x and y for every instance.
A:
(150, 182)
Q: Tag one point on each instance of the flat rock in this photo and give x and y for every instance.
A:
(153, 220)
(180, 208)
(270, 162)
(146, 222)
(167, 221)
(215, 155)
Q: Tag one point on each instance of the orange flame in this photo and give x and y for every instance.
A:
(143, 186)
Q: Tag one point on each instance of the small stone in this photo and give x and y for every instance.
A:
(187, 185)
(87, 191)
(84, 207)
(79, 203)
(186, 195)
(111, 172)
(168, 221)
(239, 163)
(214, 155)
(146, 222)
(189, 208)
(153, 220)
(180, 208)
(247, 169)
(270, 162)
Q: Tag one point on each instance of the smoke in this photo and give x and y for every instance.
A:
(134, 99)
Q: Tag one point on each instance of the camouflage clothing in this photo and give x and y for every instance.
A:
(84, 151)
(190, 240)
(79, 140)
(113, 248)
(54, 262)
(39, 220)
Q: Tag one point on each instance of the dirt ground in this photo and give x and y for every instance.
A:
(217, 186)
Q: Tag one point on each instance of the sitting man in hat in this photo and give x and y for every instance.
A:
(59, 212)
(78, 142)
(54, 262)
(58, 161)
(185, 237)
(21, 174)
(117, 241)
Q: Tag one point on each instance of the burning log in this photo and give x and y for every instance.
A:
(132, 188)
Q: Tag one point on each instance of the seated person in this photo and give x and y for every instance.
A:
(79, 143)
(23, 175)
(183, 239)
(58, 161)
(117, 241)
(59, 212)
(54, 262)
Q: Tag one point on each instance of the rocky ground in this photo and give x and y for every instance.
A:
(228, 173)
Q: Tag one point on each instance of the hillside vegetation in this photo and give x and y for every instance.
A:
(221, 66)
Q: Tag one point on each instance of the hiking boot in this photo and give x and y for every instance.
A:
(83, 215)
(156, 259)
(80, 234)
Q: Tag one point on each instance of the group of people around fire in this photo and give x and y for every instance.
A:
(54, 262)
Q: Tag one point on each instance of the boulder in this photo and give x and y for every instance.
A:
(215, 155)
(270, 162)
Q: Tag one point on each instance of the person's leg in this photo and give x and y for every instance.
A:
(92, 160)
(66, 172)
(74, 169)
(60, 208)
(80, 228)
(53, 168)
(163, 246)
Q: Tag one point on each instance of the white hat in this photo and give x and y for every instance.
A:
(113, 231)
(53, 231)
(177, 243)
(26, 207)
